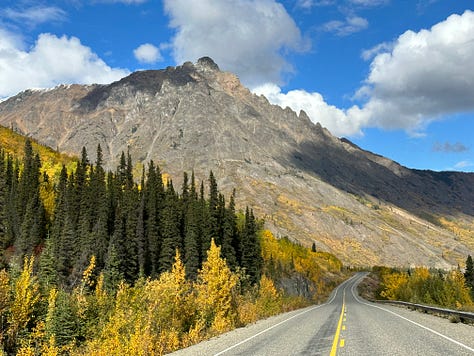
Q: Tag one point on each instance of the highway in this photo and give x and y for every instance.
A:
(345, 325)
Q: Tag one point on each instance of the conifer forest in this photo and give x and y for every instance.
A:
(100, 262)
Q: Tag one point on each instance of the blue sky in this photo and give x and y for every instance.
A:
(395, 77)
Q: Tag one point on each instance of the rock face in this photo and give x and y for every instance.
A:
(306, 183)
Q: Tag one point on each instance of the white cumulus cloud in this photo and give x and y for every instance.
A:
(247, 37)
(50, 61)
(426, 75)
(329, 116)
(421, 77)
(147, 53)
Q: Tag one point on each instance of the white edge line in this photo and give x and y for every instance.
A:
(413, 322)
(284, 321)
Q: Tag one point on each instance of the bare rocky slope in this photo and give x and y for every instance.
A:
(306, 183)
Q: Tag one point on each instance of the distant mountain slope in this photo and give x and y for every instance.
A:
(308, 184)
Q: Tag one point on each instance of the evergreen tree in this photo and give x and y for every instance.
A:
(131, 198)
(142, 245)
(154, 201)
(469, 273)
(213, 208)
(252, 260)
(48, 274)
(191, 239)
(29, 180)
(230, 234)
(29, 204)
(205, 223)
(99, 210)
(170, 229)
(32, 229)
(113, 274)
(61, 320)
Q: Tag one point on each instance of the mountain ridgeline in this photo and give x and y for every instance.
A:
(306, 183)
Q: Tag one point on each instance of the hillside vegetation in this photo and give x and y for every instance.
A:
(107, 266)
(449, 289)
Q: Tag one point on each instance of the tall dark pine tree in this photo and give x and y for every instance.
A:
(99, 211)
(154, 201)
(204, 222)
(142, 245)
(250, 248)
(469, 273)
(60, 206)
(48, 266)
(29, 179)
(230, 234)
(214, 213)
(30, 206)
(170, 229)
(131, 203)
(192, 233)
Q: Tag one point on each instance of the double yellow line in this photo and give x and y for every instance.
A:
(339, 325)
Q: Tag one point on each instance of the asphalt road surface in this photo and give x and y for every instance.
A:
(345, 325)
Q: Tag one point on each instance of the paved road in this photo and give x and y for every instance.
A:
(345, 325)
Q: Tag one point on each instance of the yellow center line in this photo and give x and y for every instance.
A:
(339, 324)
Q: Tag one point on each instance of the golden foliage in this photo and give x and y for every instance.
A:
(424, 286)
(87, 274)
(392, 284)
(152, 317)
(285, 256)
(269, 301)
(215, 291)
(25, 297)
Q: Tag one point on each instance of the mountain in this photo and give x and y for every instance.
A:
(306, 183)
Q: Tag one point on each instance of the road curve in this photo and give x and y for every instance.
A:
(345, 325)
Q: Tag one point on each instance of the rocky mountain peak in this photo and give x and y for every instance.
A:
(207, 63)
(309, 185)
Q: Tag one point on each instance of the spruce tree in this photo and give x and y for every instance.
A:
(154, 201)
(170, 229)
(252, 260)
(142, 245)
(205, 224)
(113, 274)
(48, 273)
(131, 203)
(32, 229)
(469, 273)
(213, 208)
(99, 213)
(191, 234)
(61, 320)
(230, 234)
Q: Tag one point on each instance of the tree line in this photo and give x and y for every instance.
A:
(450, 289)
(132, 228)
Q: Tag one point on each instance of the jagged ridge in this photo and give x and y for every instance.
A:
(308, 184)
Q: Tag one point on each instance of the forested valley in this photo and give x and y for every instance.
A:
(97, 262)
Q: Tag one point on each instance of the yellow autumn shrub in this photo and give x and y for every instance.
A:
(215, 292)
